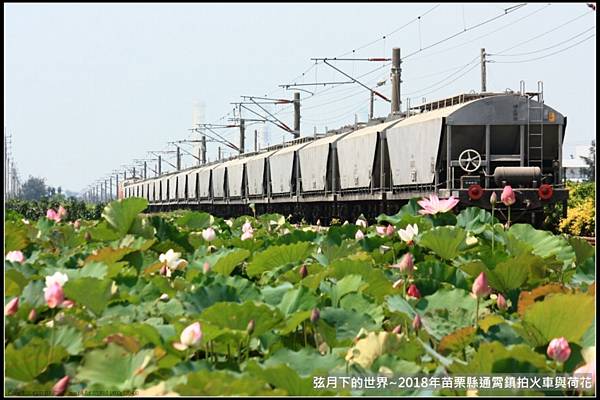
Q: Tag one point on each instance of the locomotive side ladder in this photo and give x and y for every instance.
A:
(535, 128)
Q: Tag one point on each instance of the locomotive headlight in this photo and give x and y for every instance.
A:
(545, 191)
(475, 192)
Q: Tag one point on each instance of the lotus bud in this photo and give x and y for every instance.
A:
(416, 324)
(390, 230)
(398, 283)
(380, 230)
(62, 212)
(493, 199)
(359, 235)
(15, 256)
(209, 234)
(407, 264)
(87, 236)
(206, 267)
(11, 307)
(303, 271)
(315, 315)
(559, 349)
(249, 234)
(247, 226)
(413, 291)
(481, 287)
(32, 315)
(397, 330)
(190, 336)
(361, 222)
(250, 327)
(164, 297)
(501, 302)
(508, 196)
(76, 224)
(54, 295)
(61, 386)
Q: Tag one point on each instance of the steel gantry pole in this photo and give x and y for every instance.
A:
(396, 80)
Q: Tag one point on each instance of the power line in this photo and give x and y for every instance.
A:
(486, 34)
(506, 12)
(447, 77)
(545, 48)
(544, 33)
(547, 55)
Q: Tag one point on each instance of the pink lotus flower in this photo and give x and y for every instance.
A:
(76, 224)
(416, 324)
(389, 231)
(303, 272)
(190, 336)
(413, 291)
(15, 256)
(359, 235)
(406, 264)
(53, 215)
(559, 349)
(32, 315)
(209, 234)
(481, 287)
(247, 226)
(508, 197)
(249, 234)
(397, 329)
(501, 302)
(315, 315)
(589, 355)
(434, 205)
(54, 295)
(61, 212)
(380, 230)
(493, 198)
(61, 386)
(11, 307)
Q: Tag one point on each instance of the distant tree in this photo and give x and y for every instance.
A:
(33, 188)
(590, 160)
(51, 191)
(59, 190)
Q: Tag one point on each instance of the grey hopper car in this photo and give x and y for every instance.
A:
(467, 146)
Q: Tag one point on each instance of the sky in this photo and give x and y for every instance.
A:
(88, 88)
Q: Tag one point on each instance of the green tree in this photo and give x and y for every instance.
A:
(33, 189)
(590, 160)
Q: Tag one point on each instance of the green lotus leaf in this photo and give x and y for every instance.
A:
(120, 214)
(237, 316)
(195, 220)
(221, 383)
(116, 368)
(277, 256)
(26, 363)
(226, 264)
(90, 292)
(445, 241)
(545, 244)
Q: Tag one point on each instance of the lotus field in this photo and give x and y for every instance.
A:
(186, 303)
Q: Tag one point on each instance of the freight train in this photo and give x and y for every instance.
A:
(466, 146)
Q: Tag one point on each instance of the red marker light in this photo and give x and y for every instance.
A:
(545, 191)
(475, 192)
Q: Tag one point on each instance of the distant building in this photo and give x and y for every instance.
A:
(574, 165)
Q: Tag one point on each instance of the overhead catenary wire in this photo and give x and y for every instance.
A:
(547, 55)
(545, 48)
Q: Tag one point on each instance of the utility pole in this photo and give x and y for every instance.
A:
(296, 132)
(110, 188)
(255, 140)
(396, 80)
(178, 159)
(117, 184)
(159, 165)
(219, 153)
(242, 134)
(371, 105)
(145, 170)
(203, 149)
(483, 72)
